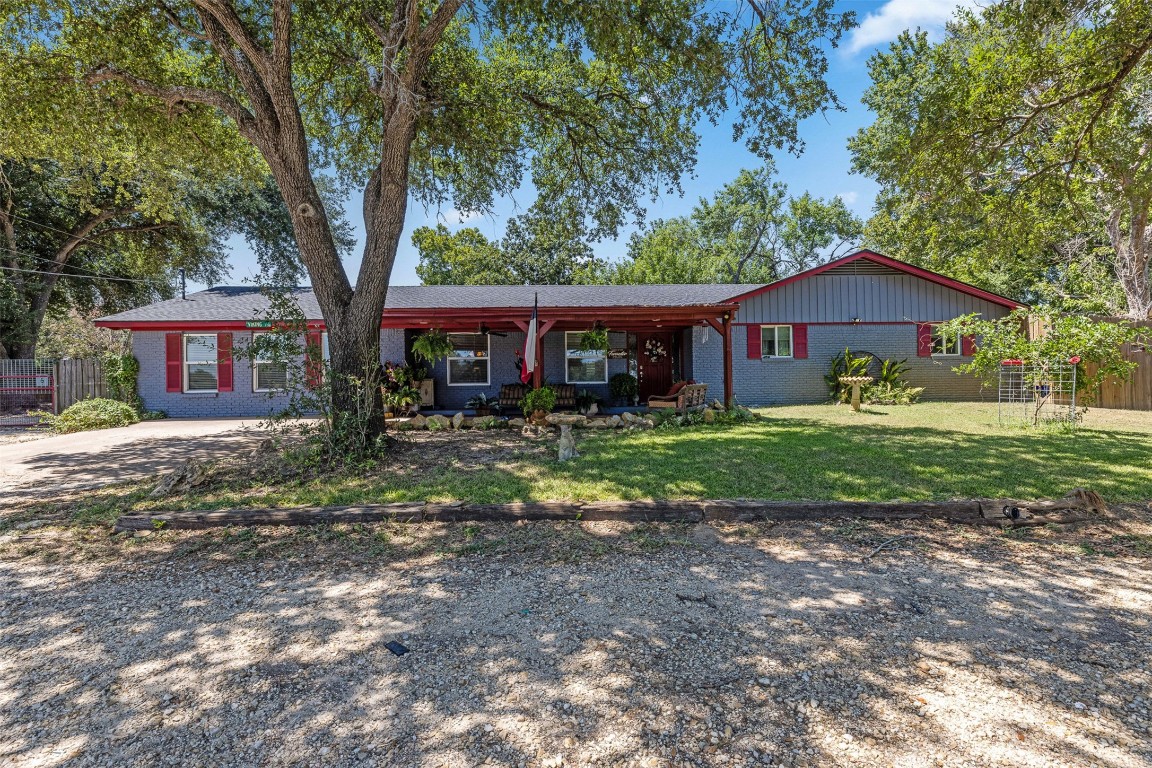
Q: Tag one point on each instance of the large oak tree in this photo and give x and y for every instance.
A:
(451, 100)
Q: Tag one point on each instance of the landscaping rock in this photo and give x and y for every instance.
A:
(437, 421)
(418, 422)
(718, 406)
(628, 417)
(645, 423)
(180, 480)
(567, 445)
(615, 421)
(566, 419)
(599, 424)
(516, 423)
(457, 421)
(592, 410)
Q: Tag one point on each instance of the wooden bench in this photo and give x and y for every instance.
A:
(512, 394)
(691, 397)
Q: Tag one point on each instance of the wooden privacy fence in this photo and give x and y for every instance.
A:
(1136, 393)
(46, 385)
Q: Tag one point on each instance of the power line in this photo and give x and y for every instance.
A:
(82, 269)
(83, 277)
(61, 231)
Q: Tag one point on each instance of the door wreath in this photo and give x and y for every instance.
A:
(655, 350)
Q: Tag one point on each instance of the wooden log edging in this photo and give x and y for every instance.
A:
(1079, 506)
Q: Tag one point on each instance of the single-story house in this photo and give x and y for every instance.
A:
(761, 344)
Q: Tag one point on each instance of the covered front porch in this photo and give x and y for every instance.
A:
(655, 344)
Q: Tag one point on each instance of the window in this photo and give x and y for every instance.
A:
(268, 375)
(775, 341)
(944, 344)
(468, 363)
(200, 356)
(583, 366)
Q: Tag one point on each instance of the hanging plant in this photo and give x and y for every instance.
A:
(594, 340)
(432, 345)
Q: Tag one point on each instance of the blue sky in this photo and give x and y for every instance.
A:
(823, 169)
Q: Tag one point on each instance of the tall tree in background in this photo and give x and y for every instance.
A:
(751, 231)
(455, 100)
(1018, 145)
(538, 248)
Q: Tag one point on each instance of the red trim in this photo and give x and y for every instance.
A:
(924, 339)
(967, 346)
(844, 322)
(800, 341)
(886, 261)
(224, 362)
(188, 325)
(755, 342)
(174, 359)
(314, 363)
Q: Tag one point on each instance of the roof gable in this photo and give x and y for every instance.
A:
(886, 264)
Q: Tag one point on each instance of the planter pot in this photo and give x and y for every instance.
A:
(484, 411)
(539, 418)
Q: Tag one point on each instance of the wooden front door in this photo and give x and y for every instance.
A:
(655, 369)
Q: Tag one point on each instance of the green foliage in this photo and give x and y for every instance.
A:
(623, 385)
(540, 399)
(488, 422)
(892, 371)
(750, 232)
(481, 400)
(890, 393)
(121, 372)
(845, 364)
(585, 399)
(1061, 338)
(594, 340)
(432, 346)
(1013, 153)
(94, 413)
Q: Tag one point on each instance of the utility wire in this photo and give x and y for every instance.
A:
(83, 277)
(82, 269)
(61, 231)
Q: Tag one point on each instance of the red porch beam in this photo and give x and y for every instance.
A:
(538, 372)
(726, 334)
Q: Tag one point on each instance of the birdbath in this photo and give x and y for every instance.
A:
(855, 381)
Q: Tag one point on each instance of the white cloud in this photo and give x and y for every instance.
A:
(849, 198)
(895, 16)
(455, 216)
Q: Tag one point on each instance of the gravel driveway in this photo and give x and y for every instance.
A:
(49, 465)
(574, 644)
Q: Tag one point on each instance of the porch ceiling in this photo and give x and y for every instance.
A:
(560, 318)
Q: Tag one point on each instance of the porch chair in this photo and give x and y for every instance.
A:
(683, 397)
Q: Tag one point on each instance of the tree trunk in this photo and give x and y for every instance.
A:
(1132, 244)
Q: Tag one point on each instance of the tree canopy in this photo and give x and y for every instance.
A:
(1015, 152)
(751, 231)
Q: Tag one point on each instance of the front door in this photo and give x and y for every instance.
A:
(654, 356)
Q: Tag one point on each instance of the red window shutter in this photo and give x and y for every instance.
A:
(313, 359)
(173, 360)
(755, 348)
(967, 346)
(800, 341)
(224, 362)
(924, 339)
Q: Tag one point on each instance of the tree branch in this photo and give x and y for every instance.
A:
(174, 95)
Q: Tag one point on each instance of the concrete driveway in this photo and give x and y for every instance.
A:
(49, 465)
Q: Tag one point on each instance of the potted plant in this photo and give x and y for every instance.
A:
(403, 399)
(624, 387)
(538, 403)
(585, 399)
(482, 404)
(595, 339)
(432, 345)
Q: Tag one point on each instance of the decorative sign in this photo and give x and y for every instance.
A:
(617, 354)
(258, 324)
(43, 381)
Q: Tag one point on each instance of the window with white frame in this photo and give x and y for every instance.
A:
(944, 344)
(468, 363)
(776, 341)
(583, 366)
(200, 362)
(268, 374)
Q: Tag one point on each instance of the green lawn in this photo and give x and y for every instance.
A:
(927, 451)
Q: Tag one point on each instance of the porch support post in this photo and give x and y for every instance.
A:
(727, 338)
(538, 373)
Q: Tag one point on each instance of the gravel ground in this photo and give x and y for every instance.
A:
(578, 644)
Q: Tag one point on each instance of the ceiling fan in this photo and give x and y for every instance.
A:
(484, 329)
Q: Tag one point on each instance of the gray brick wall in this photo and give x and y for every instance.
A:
(148, 347)
(792, 381)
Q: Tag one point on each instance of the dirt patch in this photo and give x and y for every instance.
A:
(579, 644)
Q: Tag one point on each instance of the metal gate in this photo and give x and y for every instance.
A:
(26, 386)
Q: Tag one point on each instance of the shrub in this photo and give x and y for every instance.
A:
(882, 393)
(845, 364)
(120, 371)
(96, 413)
(542, 399)
(623, 385)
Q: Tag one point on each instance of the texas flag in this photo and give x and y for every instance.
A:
(529, 358)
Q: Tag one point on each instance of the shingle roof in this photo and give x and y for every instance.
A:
(240, 303)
